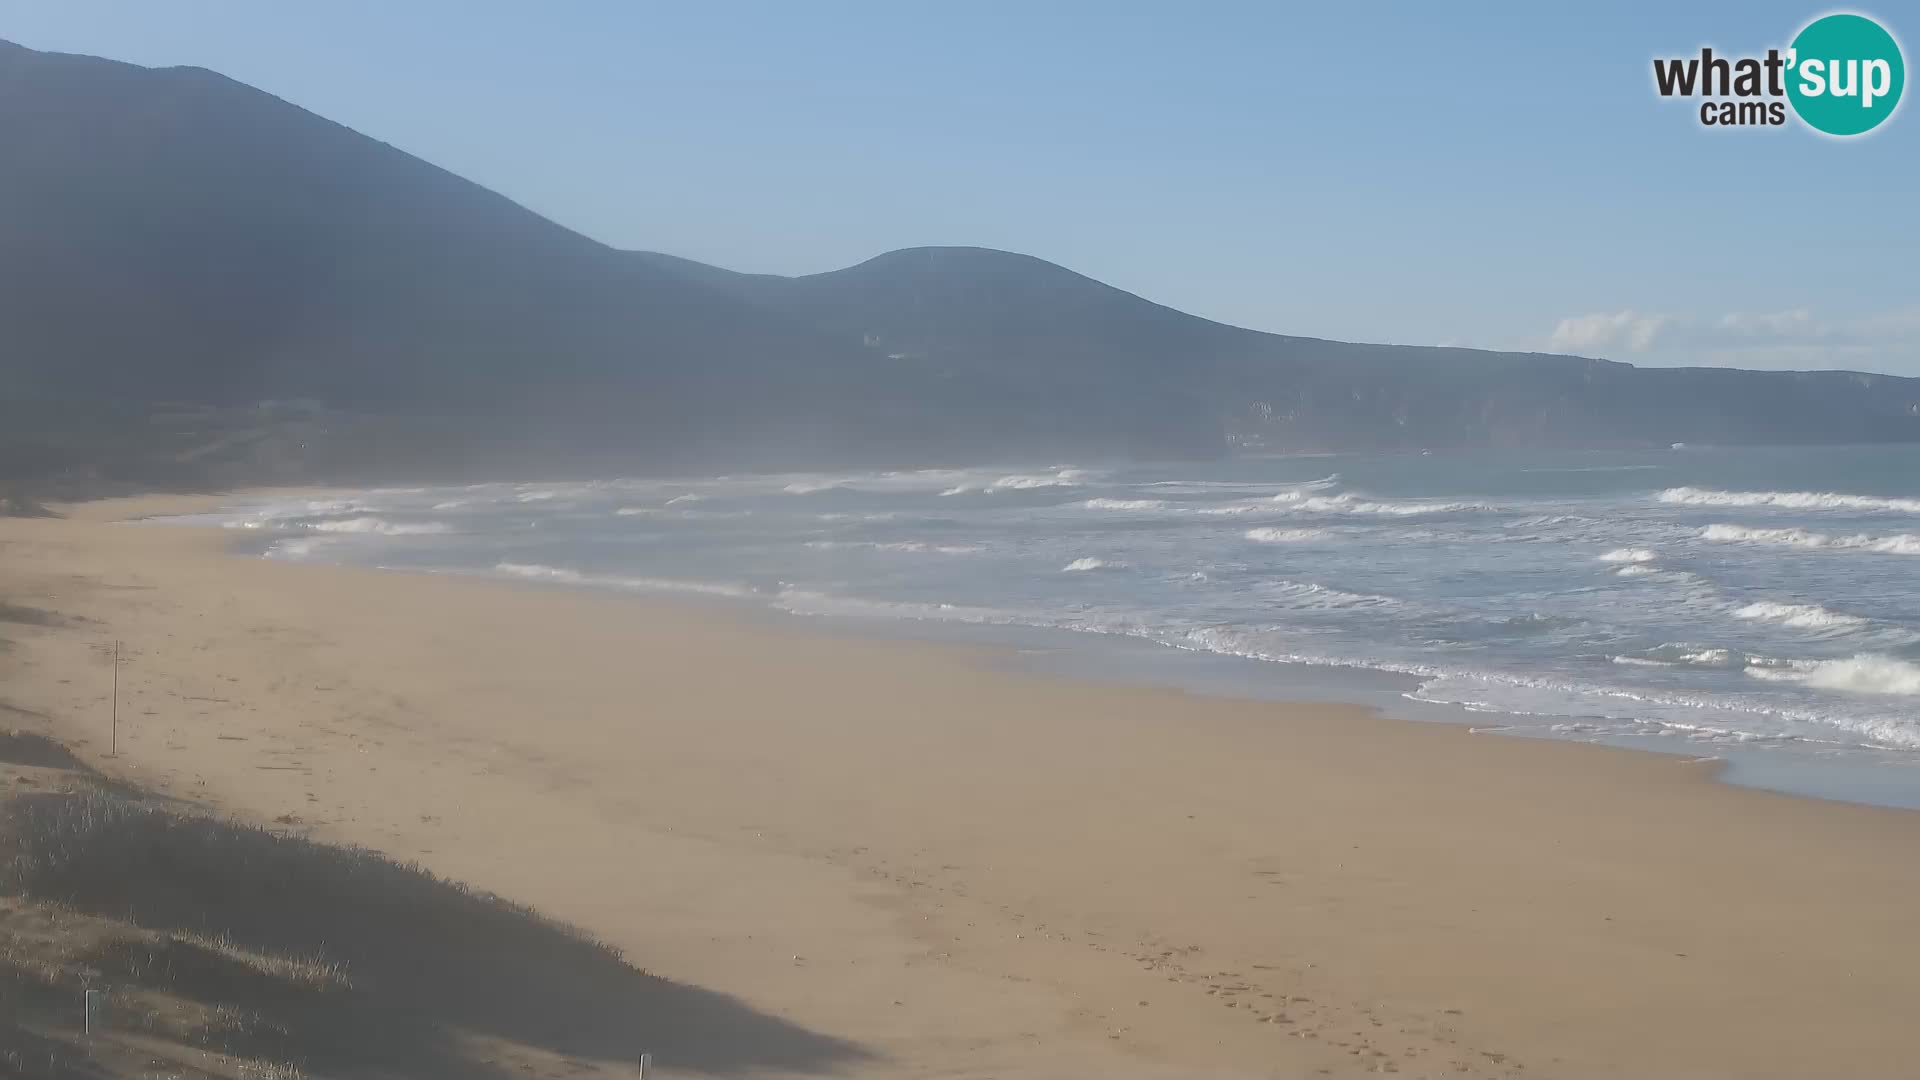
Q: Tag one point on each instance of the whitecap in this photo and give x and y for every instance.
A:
(1630, 555)
(913, 546)
(1799, 616)
(1285, 536)
(1063, 478)
(1896, 544)
(1795, 500)
(1347, 503)
(1864, 673)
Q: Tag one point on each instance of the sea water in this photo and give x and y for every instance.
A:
(1699, 599)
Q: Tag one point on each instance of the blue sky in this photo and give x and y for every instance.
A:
(1499, 176)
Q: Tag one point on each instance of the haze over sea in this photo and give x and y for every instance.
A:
(1701, 599)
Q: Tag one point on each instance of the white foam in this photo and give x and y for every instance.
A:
(1547, 521)
(1223, 487)
(812, 487)
(1896, 544)
(809, 602)
(1124, 504)
(561, 575)
(1864, 673)
(1715, 658)
(1683, 654)
(1795, 500)
(302, 547)
(913, 546)
(1637, 570)
(1090, 563)
(1653, 712)
(377, 527)
(535, 570)
(1062, 478)
(1285, 536)
(689, 497)
(1799, 616)
(1346, 503)
(1630, 555)
(1312, 596)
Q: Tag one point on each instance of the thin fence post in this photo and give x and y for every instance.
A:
(113, 743)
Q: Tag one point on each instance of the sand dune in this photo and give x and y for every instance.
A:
(938, 868)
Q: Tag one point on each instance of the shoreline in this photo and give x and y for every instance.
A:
(1859, 775)
(981, 869)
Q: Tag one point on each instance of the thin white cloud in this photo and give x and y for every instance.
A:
(1773, 325)
(1795, 338)
(1627, 329)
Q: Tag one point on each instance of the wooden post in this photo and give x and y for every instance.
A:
(113, 744)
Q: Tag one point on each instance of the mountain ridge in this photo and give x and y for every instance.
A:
(172, 235)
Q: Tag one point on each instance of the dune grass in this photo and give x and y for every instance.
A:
(281, 956)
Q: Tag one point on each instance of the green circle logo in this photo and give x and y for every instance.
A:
(1845, 74)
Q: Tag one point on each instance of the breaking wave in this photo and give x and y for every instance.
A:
(1896, 544)
(1630, 555)
(1684, 654)
(1793, 500)
(1284, 536)
(1062, 478)
(1428, 583)
(914, 546)
(1347, 503)
(1864, 673)
(1799, 616)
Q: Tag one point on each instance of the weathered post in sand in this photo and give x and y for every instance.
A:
(113, 740)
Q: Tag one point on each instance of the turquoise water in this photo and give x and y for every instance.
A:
(1702, 599)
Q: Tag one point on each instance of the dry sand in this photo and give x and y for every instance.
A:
(933, 867)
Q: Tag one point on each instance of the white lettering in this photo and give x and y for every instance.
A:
(1872, 87)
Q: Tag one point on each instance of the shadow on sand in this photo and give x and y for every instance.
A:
(349, 961)
(35, 751)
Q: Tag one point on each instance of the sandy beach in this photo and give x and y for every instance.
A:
(921, 864)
